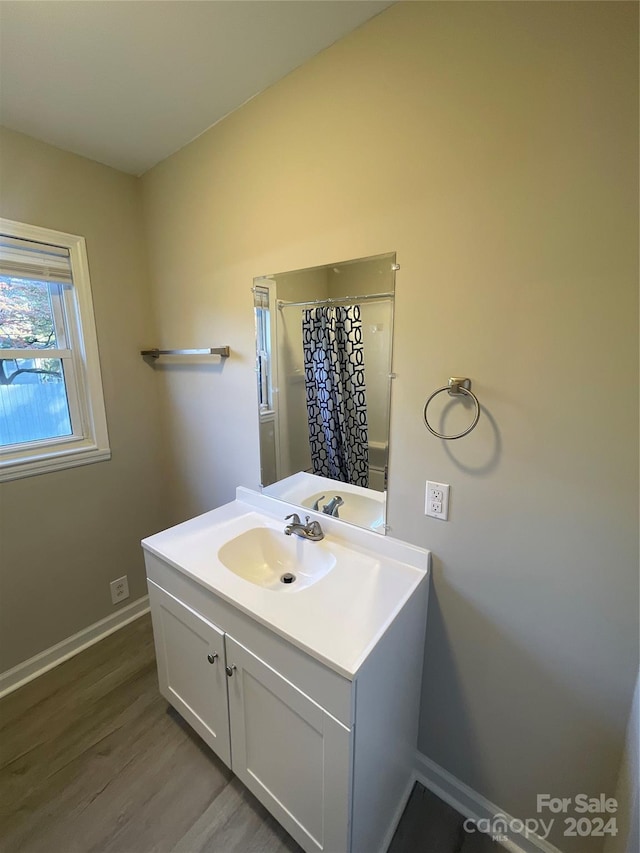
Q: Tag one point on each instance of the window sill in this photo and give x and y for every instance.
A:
(55, 459)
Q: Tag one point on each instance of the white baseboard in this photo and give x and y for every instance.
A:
(46, 660)
(477, 808)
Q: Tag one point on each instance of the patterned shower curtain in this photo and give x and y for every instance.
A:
(335, 386)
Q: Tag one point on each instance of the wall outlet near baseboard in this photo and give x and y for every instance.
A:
(119, 589)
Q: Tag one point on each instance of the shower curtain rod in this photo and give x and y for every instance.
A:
(362, 298)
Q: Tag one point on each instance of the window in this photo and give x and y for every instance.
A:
(263, 347)
(51, 405)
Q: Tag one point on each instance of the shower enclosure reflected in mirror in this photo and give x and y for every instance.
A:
(323, 362)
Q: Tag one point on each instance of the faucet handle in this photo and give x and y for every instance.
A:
(316, 505)
(294, 516)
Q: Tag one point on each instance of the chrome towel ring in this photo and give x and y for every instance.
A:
(457, 385)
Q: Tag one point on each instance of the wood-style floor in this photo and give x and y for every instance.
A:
(93, 760)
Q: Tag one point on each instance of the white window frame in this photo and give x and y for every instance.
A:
(89, 441)
(264, 338)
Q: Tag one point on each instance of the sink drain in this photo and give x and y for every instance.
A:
(287, 577)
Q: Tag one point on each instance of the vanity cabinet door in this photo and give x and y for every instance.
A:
(191, 668)
(289, 752)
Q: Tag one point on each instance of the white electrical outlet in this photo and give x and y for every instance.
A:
(436, 504)
(119, 589)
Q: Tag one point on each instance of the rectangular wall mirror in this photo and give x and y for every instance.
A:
(323, 361)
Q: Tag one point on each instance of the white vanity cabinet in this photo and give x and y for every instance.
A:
(191, 668)
(325, 738)
(289, 752)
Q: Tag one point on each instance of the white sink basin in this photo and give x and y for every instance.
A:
(351, 583)
(270, 559)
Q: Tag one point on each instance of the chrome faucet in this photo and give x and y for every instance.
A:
(331, 508)
(311, 530)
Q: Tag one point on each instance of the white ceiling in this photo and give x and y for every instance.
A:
(129, 83)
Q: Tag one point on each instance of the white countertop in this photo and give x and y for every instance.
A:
(336, 620)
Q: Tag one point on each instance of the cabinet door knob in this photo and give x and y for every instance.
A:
(229, 669)
(212, 658)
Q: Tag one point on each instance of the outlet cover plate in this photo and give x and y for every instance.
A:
(436, 504)
(119, 589)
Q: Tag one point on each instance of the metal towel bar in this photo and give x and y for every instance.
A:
(223, 352)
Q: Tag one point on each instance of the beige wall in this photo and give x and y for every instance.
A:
(65, 535)
(494, 147)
